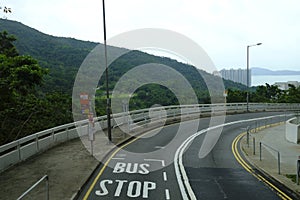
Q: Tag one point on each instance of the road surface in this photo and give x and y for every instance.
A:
(160, 165)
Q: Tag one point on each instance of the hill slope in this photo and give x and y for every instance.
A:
(63, 56)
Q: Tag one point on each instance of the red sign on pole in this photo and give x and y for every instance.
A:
(84, 101)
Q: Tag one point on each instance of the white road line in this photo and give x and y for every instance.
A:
(167, 194)
(220, 188)
(156, 160)
(118, 158)
(180, 172)
(165, 176)
(121, 155)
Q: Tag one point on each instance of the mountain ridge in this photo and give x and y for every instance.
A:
(63, 56)
(256, 71)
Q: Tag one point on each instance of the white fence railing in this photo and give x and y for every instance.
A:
(26, 147)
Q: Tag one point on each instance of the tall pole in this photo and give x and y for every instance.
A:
(248, 78)
(106, 76)
(248, 73)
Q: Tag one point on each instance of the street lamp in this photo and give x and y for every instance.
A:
(106, 76)
(248, 78)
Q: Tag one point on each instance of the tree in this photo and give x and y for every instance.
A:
(236, 96)
(24, 109)
(267, 94)
(6, 45)
(19, 76)
(292, 95)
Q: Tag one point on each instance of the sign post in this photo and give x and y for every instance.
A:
(86, 109)
(91, 131)
(298, 170)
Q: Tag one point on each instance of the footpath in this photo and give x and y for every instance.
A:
(273, 141)
(68, 166)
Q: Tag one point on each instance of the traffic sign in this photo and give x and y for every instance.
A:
(84, 98)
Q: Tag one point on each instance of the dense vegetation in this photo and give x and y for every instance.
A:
(23, 109)
(266, 94)
(37, 73)
(62, 56)
(151, 94)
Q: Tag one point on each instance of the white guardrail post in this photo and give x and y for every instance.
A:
(17, 151)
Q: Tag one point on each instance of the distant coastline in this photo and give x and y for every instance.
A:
(266, 72)
(271, 79)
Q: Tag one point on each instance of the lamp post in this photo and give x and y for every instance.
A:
(248, 75)
(106, 77)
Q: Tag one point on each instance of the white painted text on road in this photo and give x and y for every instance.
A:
(134, 189)
(131, 168)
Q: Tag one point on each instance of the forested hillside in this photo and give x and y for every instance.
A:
(38, 71)
(23, 108)
(62, 56)
(37, 80)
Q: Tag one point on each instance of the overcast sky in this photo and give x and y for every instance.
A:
(223, 28)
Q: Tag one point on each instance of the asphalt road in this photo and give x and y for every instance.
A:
(168, 164)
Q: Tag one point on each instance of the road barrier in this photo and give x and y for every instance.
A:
(20, 150)
(268, 146)
(293, 130)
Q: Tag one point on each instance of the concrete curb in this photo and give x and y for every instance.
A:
(274, 179)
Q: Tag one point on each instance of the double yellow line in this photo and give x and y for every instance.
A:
(234, 148)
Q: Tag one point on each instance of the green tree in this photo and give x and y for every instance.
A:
(19, 75)
(24, 109)
(6, 46)
(267, 94)
(292, 95)
(236, 96)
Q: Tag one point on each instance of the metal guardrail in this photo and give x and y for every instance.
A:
(21, 149)
(35, 185)
(268, 146)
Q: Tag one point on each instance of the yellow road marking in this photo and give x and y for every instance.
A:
(234, 150)
(238, 157)
(106, 163)
(110, 158)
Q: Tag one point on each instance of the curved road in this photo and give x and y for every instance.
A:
(164, 166)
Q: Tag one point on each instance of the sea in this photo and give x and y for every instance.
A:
(270, 79)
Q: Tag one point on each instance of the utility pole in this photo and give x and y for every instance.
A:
(248, 74)
(108, 107)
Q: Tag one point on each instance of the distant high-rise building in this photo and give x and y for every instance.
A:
(236, 75)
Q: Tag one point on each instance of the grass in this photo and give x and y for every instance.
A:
(292, 177)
